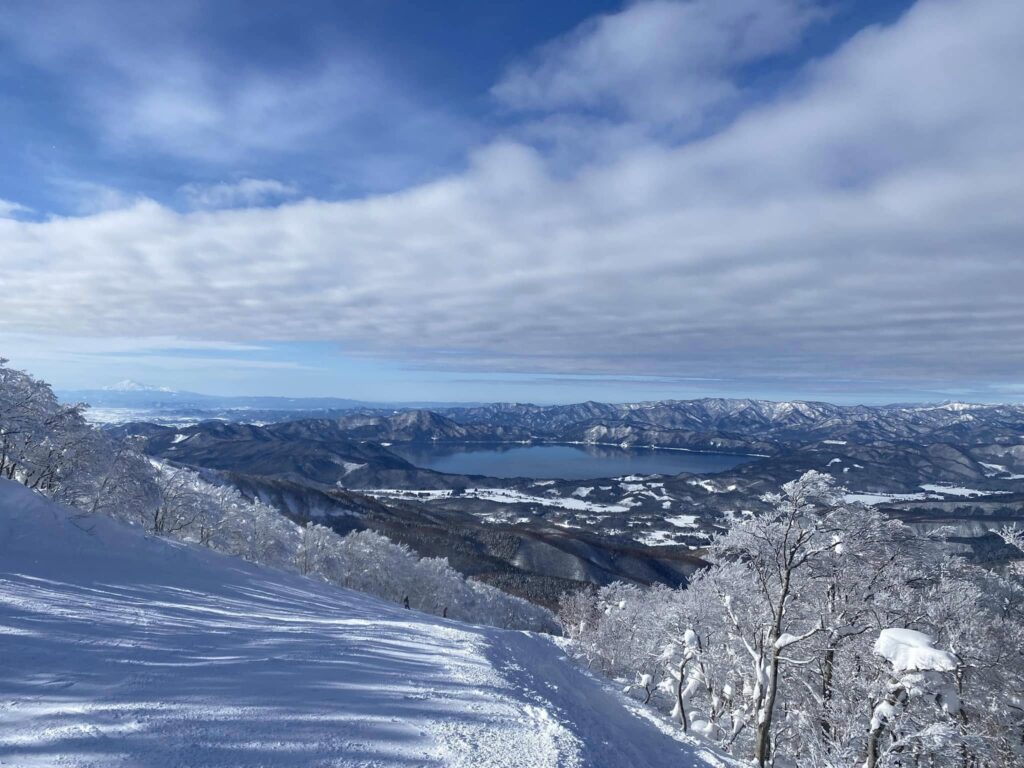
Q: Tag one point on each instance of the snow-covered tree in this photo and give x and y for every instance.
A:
(771, 652)
(51, 448)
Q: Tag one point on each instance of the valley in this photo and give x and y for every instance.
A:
(537, 500)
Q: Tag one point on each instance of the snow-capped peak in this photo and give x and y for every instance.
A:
(955, 407)
(127, 385)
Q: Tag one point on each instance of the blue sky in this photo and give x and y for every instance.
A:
(516, 201)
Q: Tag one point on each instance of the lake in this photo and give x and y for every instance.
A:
(564, 462)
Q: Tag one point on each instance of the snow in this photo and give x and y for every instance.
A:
(657, 539)
(911, 651)
(834, 442)
(931, 492)
(118, 415)
(835, 461)
(122, 649)
(682, 521)
(667, 538)
(508, 496)
(956, 491)
(710, 487)
(999, 469)
(883, 713)
(707, 485)
(582, 492)
(870, 499)
(959, 407)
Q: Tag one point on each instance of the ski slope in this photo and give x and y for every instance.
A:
(120, 649)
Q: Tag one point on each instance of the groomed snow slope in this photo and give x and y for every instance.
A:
(119, 649)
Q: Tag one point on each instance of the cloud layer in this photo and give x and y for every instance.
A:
(864, 224)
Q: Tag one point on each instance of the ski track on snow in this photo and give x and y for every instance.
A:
(123, 650)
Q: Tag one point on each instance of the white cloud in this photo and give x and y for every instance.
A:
(10, 209)
(242, 192)
(661, 61)
(866, 224)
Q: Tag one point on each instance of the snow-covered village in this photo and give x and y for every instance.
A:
(598, 384)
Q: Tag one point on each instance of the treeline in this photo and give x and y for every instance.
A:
(824, 635)
(51, 448)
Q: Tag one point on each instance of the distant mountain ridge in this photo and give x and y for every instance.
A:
(705, 424)
(710, 424)
(722, 425)
(128, 385)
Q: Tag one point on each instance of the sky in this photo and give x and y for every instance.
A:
(530, 201)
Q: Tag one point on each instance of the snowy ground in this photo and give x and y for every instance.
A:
(119, 649)
(936, 492)
(506, 496)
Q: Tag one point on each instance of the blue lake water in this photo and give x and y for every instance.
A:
(565, 462)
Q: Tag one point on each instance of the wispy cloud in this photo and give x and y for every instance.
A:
(662, 62)
(10, 209)
(245, 192)
(154, 85)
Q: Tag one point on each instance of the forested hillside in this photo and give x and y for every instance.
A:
(52, 449)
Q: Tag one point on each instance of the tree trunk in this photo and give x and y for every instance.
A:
(826, 691)
(762, 739)
(679, 697)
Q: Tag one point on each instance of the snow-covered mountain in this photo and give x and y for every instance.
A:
(122, 649)
(127, 385)
(759, 426)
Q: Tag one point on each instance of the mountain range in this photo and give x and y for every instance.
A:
(953, 464)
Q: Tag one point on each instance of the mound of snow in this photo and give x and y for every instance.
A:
(121, 649)
(911, 651)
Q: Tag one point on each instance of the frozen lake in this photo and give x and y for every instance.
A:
(565, 462)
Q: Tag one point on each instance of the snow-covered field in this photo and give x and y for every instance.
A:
(574, 503)
(120, 649)
(932, 491)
